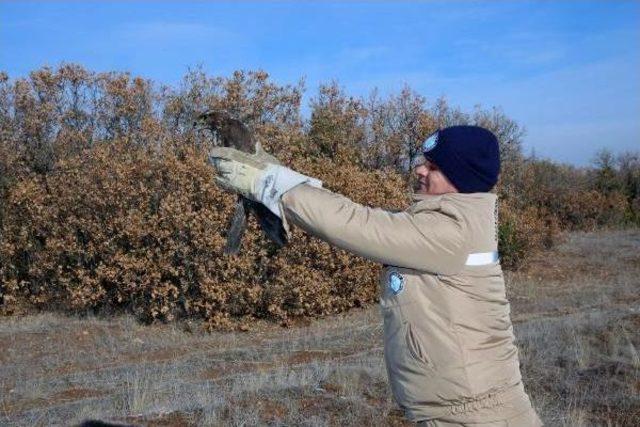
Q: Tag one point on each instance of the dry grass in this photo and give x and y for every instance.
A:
(577, 316)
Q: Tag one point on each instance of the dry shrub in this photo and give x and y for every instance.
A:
(522, 232)
(124, 227)
(117, 225)
(570, 195)
(588, 210)
(107, 201)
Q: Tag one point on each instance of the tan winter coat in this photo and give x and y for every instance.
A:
(449, 343)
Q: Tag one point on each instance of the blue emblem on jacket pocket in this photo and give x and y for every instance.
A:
(395, 282)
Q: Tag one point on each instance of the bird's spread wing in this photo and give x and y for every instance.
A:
(237, 226)
(271, 225)
(233, 133)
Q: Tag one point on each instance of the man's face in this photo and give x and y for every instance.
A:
(431, 180)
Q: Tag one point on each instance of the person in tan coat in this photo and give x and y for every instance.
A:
(448, 339)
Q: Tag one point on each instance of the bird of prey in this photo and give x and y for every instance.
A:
(233, 133)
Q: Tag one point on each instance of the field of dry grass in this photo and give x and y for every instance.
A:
(576, 312)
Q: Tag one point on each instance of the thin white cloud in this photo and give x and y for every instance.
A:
(578, 142)
(520, 49)
(172, 32)
(363, 53)
(570, 112)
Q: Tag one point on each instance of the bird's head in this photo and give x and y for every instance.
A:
(229, 132)
(212, 120)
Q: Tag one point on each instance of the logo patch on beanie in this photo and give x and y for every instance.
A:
(430, 143)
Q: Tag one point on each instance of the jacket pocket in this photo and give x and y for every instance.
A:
(409, 377)
(415, 347)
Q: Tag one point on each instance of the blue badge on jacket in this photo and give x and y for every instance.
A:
(396, 282)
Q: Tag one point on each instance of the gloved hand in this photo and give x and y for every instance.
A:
(256, 176)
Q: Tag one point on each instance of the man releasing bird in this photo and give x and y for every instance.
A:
(234, 134)
(449, 346)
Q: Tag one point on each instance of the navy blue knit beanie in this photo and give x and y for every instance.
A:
(467, 155)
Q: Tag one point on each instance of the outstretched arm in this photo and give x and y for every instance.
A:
(422, 238)
(427, 240)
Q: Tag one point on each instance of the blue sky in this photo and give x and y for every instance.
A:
(569, 72)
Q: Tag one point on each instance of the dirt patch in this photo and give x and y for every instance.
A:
(173, 419)
(271, 411)
(632, 322)
(307, 356)
(64, 396)
(237, 367)
(159, 355)
(316, 404)
(553, 268)
(75, 394)
(614, 416)
(295, 358)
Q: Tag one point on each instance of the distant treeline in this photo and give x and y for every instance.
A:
(107, 201)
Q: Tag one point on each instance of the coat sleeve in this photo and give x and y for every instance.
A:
(425, 240)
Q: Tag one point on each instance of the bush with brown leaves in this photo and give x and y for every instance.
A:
(108, 202)
(122, 227)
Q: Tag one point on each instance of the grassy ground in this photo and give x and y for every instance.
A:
(576, 312)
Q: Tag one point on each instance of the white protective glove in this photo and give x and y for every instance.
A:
(256, 176)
